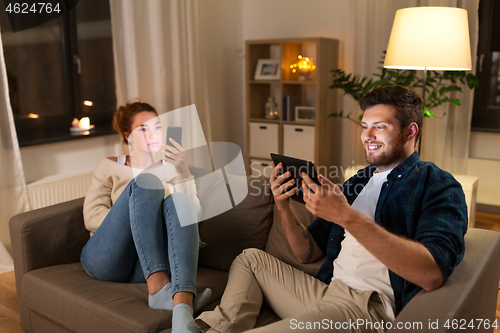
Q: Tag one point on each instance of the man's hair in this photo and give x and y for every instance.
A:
(409, 105)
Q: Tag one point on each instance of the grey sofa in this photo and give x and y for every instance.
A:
(56, 295)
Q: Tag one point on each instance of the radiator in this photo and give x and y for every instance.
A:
(488, 171)
(56, 189)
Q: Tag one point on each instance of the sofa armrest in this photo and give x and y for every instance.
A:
(48, 236)
(469, 293)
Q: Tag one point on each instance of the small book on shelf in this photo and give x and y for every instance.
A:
(289, 104)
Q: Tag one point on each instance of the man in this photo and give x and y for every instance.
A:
(393, 229)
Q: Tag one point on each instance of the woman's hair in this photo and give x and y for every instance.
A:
(124, 117)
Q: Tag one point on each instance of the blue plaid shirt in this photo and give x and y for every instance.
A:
(418, 201)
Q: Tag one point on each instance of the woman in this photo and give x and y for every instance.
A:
(136, 232)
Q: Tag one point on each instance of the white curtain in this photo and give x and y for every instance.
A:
(446, 139)
(159, 56)
(13, 194)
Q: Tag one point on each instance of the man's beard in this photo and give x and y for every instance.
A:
(393, 154)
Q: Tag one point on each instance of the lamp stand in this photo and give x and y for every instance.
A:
(423, 98)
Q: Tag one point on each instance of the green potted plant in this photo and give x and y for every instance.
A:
(438, 85)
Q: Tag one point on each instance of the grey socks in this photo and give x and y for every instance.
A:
(201, 299)
(163, 298)
(182, 319)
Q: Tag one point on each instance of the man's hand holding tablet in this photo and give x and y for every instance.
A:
(298, 180)
(281, 185)
(286, 179)
(326, 201)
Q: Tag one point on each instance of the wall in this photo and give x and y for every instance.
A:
(77, 156)
(484, 163)
(320, 18)
(223, 47)
(485, 145)
(295, 18)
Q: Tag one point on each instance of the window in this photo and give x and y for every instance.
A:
(486, 112)
(53, 68)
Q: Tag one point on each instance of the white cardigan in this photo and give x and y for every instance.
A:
(111, 178)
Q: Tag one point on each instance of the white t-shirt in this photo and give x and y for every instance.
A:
(355, 265)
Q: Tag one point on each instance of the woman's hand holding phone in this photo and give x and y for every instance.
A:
(178, 157)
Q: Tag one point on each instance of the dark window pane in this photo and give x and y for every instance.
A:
(486, 111)
(35, 70)
(95, 49)
(494, 98)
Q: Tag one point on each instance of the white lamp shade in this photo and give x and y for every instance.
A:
(434, 38)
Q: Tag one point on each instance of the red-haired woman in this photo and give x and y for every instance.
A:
(142, 216)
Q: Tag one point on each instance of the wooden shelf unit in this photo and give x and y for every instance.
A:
(314, 93)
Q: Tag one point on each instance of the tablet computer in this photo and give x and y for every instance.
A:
(296, 167)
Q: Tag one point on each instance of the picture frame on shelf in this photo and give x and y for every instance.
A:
(268, 69)
(305, 113)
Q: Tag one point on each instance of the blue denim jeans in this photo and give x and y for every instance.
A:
(141, 234)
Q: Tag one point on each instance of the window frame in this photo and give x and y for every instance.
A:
(482, 119)
(48, 129)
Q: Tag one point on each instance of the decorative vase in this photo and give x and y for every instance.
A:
(271, 109)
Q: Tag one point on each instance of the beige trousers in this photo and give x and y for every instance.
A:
(303, 302)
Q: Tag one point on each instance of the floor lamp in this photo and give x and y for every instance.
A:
(429, 38)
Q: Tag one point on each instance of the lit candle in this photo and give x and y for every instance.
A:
(85, 123)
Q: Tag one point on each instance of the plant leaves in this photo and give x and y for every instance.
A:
(436, 82)
(472, 81)
(428, 113)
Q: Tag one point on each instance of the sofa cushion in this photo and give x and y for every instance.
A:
(66, 295)
(278, 246)
(245, 226)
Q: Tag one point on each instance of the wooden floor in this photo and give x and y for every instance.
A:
(9, 313)
(490, 222)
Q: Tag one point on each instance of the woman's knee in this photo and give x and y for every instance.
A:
(86, 269)
(148, 181)
(146, 189)
(180, 198)
(184, 207)
(86, 262)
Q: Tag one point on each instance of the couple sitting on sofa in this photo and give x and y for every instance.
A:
(394, 228)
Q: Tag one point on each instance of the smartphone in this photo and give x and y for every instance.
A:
(174, 132)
